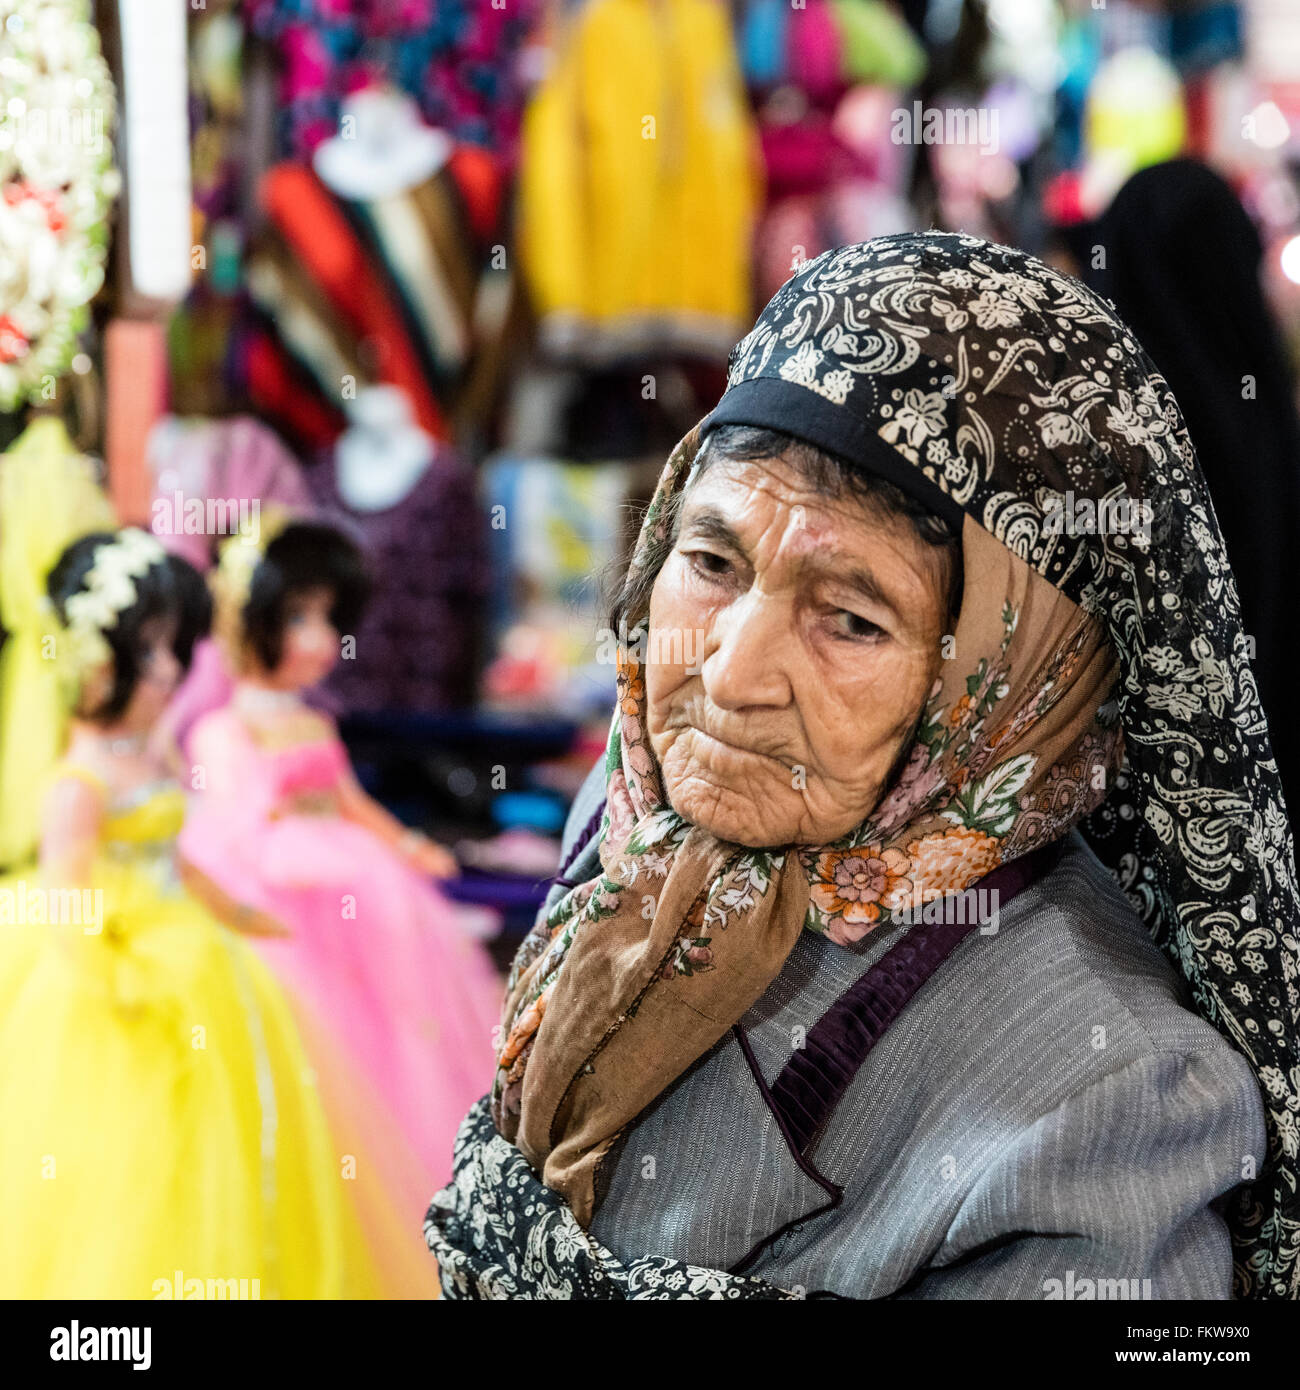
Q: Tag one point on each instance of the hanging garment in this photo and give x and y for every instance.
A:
(639, 182)
(416, 644)
(305, 323)
(877, 45)
(458, 58)
(282, 390)
(41, 476)
(423, 244)
(238, 463)
(762, 40)
(314, 225)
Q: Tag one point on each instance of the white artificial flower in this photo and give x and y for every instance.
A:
(90, 609)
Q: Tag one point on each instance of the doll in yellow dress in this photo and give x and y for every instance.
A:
(162, 1132)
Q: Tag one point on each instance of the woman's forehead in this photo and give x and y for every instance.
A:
(753, 493)
(769, 513)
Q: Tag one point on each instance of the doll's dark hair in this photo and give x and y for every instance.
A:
(171, 588)
(195, 608)
(304, 555)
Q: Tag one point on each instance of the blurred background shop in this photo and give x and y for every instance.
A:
(458, 273)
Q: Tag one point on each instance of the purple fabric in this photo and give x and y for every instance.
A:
(415, 649)
(816, 1077)
(834, 1193)
(580, 844)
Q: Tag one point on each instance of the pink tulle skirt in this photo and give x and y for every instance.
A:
(381, 961)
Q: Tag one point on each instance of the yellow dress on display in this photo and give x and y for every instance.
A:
(641, 179)
(162, 1132)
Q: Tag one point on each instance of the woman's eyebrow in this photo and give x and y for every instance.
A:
(862, 581)
(710, 525)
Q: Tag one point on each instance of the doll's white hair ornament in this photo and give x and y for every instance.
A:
(108, 590)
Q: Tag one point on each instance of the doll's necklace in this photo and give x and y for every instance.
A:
(122, 745)
(259, 699)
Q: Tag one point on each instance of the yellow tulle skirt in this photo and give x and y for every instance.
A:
(161, 1131)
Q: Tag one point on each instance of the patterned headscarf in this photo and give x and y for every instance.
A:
(1098, 674)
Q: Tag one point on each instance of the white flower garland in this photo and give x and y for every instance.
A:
(57, 185)
(107, 592)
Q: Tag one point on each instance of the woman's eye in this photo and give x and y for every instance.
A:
(710, 565)
(854, 626)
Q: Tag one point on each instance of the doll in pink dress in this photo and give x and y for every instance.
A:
(375, 950)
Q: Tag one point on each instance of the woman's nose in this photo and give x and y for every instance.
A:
(746, 654)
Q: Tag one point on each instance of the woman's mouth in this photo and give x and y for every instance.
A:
(732, 748)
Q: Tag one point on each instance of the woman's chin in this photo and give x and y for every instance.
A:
(754, 817)
(740, 817)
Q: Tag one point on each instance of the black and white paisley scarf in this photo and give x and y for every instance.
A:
(996, 389)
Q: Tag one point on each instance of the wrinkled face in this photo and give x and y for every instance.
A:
(311, 645)
(793, 641)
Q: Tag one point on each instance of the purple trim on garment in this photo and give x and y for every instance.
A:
(813, 1082)
(817, 1075)
(580, 844)
(832, 1190)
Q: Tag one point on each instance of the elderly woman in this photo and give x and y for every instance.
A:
(933, 601)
